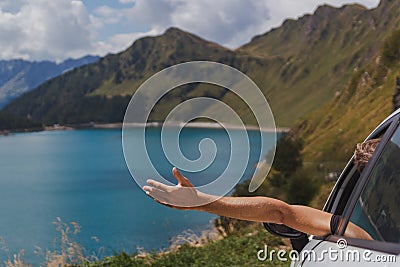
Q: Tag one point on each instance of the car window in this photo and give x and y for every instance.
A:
(377, 210)
(344, 189)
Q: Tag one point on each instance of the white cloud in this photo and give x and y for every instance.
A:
(108, 15)
(228, 22)
(154, 13)
(45, 29)
(11, 5)
(126, 1)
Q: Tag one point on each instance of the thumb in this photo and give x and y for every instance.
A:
(182, 180)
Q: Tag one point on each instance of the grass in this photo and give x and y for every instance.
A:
(239, 248)
(68, 253)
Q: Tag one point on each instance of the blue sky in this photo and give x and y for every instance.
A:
(60, 29)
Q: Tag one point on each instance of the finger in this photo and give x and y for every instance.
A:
(182, 180)
(159, 185)
(162, 198)
(147, 188)
(155, 193)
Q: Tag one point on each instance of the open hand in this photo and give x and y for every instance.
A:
(181, 196)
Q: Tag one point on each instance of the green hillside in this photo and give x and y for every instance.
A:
(299, 66)
(10, 122)
(332, 131)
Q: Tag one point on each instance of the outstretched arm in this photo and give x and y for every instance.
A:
(257, 209)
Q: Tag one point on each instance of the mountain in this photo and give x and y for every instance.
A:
(101, 91)
(300, 66)
(320, 52)
(20, 76)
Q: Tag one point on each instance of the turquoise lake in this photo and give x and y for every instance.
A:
(81, 176)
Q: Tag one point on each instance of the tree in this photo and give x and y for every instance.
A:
(288, 155)
(391, 49)
(287, 161)
(301, 188)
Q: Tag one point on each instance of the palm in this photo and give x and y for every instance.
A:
(184, 195)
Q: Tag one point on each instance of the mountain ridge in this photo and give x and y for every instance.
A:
(113, 77)
(18, 76)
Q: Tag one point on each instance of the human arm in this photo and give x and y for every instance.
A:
(258, 209)
(264, 209)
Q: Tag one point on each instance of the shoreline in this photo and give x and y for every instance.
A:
(201, 125)
(6, 132)
(120, 125)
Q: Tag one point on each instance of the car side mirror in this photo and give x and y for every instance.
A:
(283, 230)
(298, 239)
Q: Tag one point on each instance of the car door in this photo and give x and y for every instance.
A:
(371, 201)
